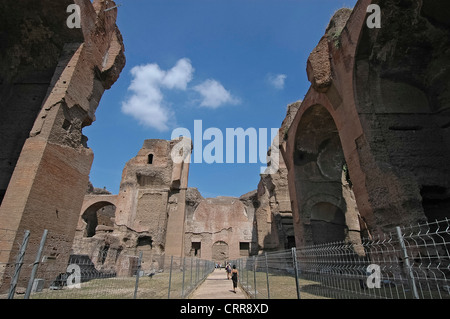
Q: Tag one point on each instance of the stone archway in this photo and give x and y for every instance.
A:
(390, 103)
(220, 252)
(97, 210)
(325, 212)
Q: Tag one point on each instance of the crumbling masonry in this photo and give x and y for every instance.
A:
(377, 118)
(51, 80)
(157, 214)
(366, 150)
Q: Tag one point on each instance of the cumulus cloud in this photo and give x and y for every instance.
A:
(214, 94)
(150, 86)
(276, 80)
(146, 104)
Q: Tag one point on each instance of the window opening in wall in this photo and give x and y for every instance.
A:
(196, 248)
(66, 124)
(244, 249)
(290, 242)
(150, 158)
(145, 241)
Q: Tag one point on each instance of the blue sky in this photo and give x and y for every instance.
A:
(227, 63)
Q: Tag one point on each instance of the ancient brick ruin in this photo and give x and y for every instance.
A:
(367, 148)
(156, 213)
(52, 79)
(376, 117)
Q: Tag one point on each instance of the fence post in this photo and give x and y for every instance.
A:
(196, 271)
(19, 263)
(170, 276)
(36, 264)
(294, 259)
(254, 274)
(137, 275)
(246, 271)
(267, 276)
(192, 261)
(408, 266)
(184, 270)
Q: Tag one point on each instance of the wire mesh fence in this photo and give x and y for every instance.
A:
(411, 263)
(44, 272)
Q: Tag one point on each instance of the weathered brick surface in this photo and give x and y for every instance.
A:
(62, 74)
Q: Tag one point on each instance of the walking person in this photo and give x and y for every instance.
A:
(234, 277)
(228, 269)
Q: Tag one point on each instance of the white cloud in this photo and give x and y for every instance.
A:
(276, 80)
(214, 94)
(180, 75)
(147, 104)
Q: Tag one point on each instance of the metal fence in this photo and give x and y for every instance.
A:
(411, 263)
(38, 273)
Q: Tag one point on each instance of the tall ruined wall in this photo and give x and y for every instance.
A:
(271, 201)
(368, 147)
(150, 209)
(219, 228)
(52, 79)
(157, 214)
(261, 220)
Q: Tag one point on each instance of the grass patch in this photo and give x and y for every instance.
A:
(280, 286)
(123, 288)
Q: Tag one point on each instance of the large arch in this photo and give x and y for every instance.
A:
(330, 71)
(96, 210)
(325, 211)
(387, 92)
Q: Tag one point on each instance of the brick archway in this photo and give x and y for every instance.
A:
(390, 109)
(89, 218)
(330, 104)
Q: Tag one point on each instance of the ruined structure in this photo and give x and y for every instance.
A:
(366, 150)
(369, 146)
(149, 213)
(219, 228)
(273, 212)
(51, 80)
(157, 214)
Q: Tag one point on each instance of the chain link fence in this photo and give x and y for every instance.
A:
(40, 273)
(411, 263)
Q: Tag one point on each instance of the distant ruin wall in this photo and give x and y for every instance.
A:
(219, 229)
(149, 212)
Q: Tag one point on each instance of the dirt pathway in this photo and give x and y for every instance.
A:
(217, 286)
